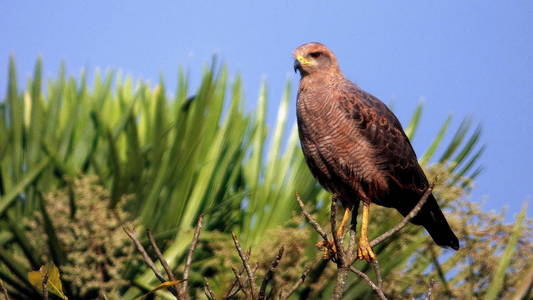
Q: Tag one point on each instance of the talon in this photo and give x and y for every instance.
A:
(328, 249)
(364, 251)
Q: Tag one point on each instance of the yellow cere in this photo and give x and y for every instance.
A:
(303, 61)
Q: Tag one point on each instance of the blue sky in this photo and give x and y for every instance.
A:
(469, 58)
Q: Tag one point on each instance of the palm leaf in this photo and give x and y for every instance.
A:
(499, 275)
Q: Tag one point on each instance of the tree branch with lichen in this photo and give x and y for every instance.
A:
(345, 259)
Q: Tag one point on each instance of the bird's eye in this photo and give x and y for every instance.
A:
(315, 54)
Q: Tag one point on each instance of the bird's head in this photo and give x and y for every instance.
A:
(313, 58)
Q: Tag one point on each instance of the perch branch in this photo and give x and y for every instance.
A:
(251, 277)
(270, 274)
(405, 220)
(387, 235)
(374, 287)
(342, 270)
(188, 263)
(377, 270)
(340, 283)
(336, 239)
(351, 245)
(340, 258)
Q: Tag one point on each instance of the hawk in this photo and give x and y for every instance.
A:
(357, 150)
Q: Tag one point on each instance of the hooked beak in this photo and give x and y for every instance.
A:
(301, 61)
(296, 65)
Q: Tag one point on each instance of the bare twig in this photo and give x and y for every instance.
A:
(207, 290)
(244, 259)
(45, 284)
(4, 290)
(310, 219)
(336, 239)
(430, 289)
(296, 285)
(377, 290)
(240, 282)
(149, 261)
(230, 293)
(161, 258)
(377, 270)
(351, 245)
(340, 283)
(188, 263)
(405, 220)
(270, 274)
(144, 255)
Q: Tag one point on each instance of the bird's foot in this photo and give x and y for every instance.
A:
(328, 249)
(364, 251)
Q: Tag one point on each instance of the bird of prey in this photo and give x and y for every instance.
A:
(357, 150)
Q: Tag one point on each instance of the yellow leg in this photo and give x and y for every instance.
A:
(345, 219)
(364, 251)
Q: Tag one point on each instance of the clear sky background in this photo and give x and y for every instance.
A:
(469, 58)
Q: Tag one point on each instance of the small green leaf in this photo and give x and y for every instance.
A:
(436, 142)
(414, 122)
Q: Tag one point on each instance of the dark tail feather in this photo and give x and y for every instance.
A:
(441, 232)
(432, 218)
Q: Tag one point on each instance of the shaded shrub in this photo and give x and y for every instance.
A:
(96, 250)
